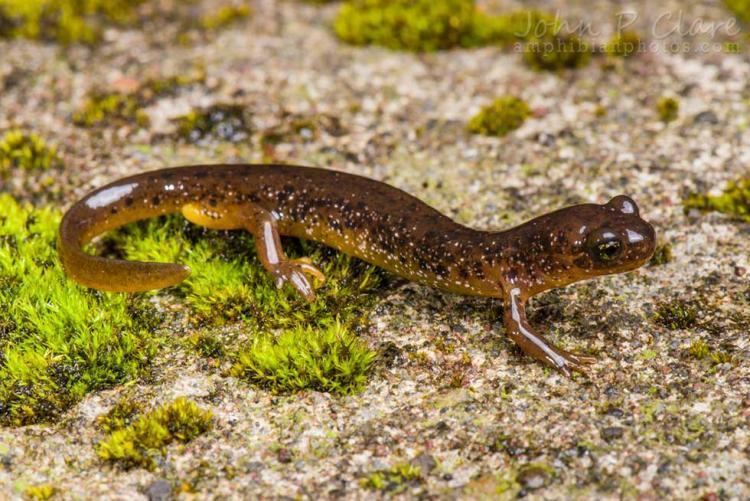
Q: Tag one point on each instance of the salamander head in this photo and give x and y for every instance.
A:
(612, 238)
(586, 241)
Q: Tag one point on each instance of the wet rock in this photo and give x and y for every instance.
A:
(706, 117)
(612, 433)
(159, 490)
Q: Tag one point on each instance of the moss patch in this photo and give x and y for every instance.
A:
(110, 108)
(25, 150)
(740, 8)
(429, 25)
(677, 314)
(144, 441)
(40, 492)
(623, 44)
(662, 255)
(700, 350)
(557, 51)
(121, 415)
(504, 115)
(103, 108)
(65, 21)
(223, 122)
(394, 480)
(228, 283)
(315, 348)
(58, 341)
(224, 16)
(421, 25)
(330, 359)
(668, 109)
(735, 200)
(207, 345)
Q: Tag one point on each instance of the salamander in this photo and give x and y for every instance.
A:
(368, 219)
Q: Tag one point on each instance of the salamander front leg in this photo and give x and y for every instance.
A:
(533, 344)
(262, 225)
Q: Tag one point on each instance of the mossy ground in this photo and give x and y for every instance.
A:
(428, 25)
(504, 115)
(394, 480)
(20, 149)
(41, 492)
(74, 21)
(329, 359)
(677, 314)
(53, 356)
(668, 109)
(315, 348)
(224, 17)
(65, 21)
(624, 44)
(117, 108)
(740, 8)
(143, 441)
(59, 341)
(557, 52)
(734, 201)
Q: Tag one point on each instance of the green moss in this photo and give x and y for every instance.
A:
(107, 108)
(648, 354)
(228, 283)
(700, 350)
(504, 115)
(662, 255)
(394, 480)
(677, 314)
(25, 150)
(505, 29)
(735, 200)
(170, 85)
(224, 122)
(207, 345)
(143, 442)
(66, 21)
(668, 109)
(58, 341)
(224, 16)
(330, 359)
(623, 44)
(119, 108)
(121, 415)
(740, 8)
(421, 25)
(556, 51)
(429, 25)
(40, 492)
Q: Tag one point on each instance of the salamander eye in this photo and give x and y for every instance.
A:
(605, 246)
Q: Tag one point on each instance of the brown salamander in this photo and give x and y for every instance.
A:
(367, 219)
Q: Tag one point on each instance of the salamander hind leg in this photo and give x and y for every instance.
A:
(262, 225)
